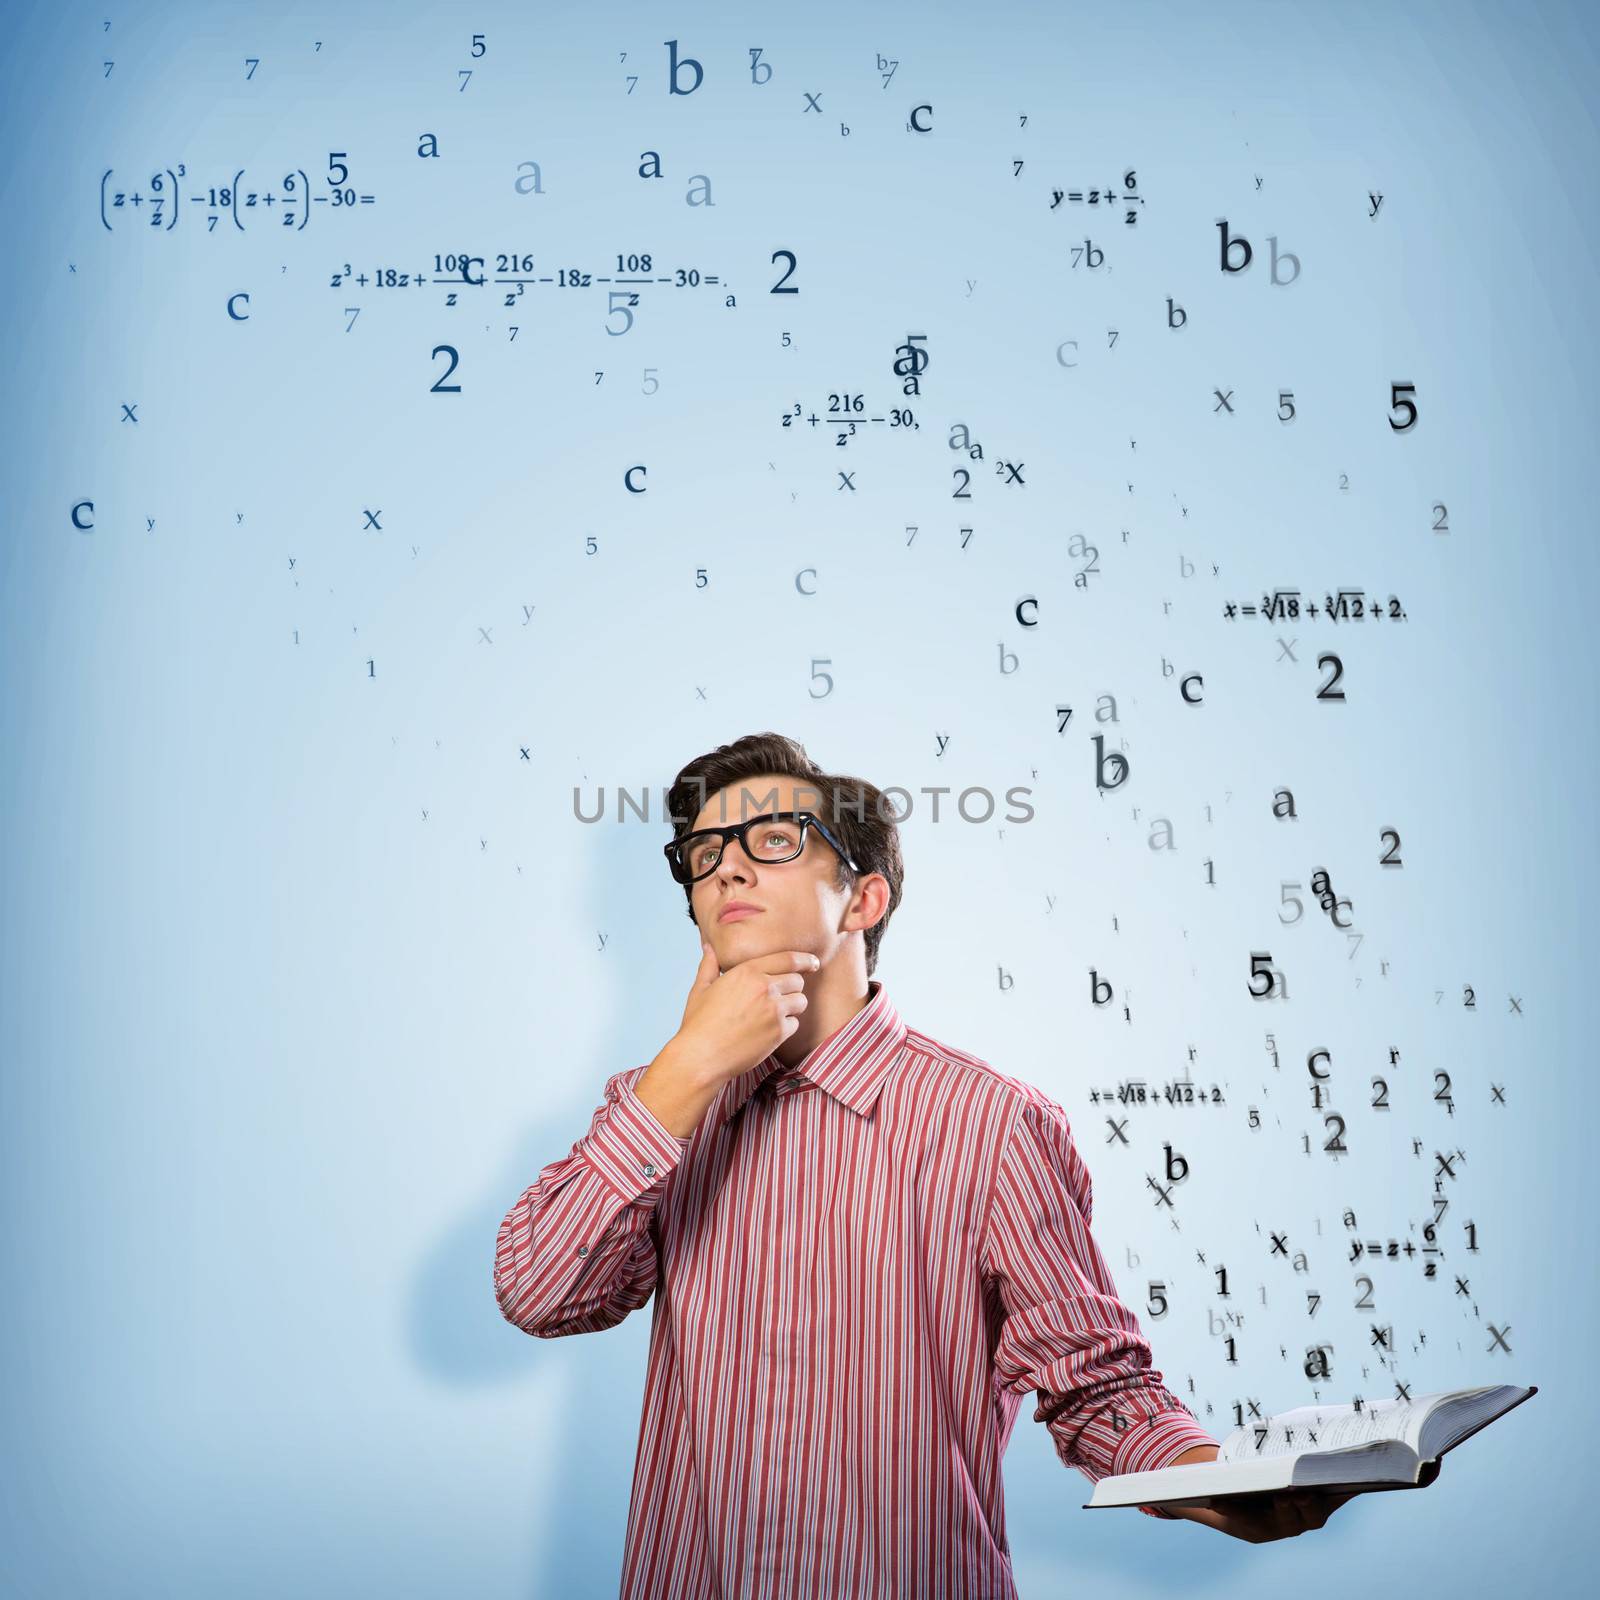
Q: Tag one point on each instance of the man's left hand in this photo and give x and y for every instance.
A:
(1258, 1518)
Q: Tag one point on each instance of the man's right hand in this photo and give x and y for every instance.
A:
(736, 1018)
(732, 1021)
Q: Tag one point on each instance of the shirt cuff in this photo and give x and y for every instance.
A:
(1148, 1448)
(631, 1149)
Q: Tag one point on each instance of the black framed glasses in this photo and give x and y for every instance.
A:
(775, 836)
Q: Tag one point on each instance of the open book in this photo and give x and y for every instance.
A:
(1387, 1444)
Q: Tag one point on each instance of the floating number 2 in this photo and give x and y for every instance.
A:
(439, 386)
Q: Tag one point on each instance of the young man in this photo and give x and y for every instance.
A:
(865, 1246)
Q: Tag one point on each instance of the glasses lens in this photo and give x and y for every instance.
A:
(766, 841)
(773, 841)
(701, 855)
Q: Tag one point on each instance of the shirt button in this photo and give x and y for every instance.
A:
(649, 1169)
(583, 1249)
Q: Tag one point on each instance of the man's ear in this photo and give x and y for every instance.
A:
(861, 889)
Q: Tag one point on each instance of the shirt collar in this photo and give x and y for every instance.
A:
(851, 1064)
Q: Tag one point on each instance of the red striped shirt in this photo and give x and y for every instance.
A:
(861, 1264)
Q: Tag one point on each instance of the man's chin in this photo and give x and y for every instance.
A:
(741, 942)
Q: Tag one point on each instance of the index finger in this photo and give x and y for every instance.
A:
(786, 961)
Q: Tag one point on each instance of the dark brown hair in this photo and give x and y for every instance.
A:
(852, 808)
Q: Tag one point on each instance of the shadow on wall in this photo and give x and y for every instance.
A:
(459, 1337)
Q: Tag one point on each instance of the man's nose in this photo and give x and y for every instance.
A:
(734, 863)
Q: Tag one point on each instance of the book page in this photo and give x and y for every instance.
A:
(1318, 1428)
(1463, 1412)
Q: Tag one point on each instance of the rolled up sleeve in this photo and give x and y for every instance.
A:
(1066, 1335)
(574, 1254)
(629, 1148)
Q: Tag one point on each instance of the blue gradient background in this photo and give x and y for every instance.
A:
(279, 1051)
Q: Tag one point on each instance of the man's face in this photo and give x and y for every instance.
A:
(800, 907)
